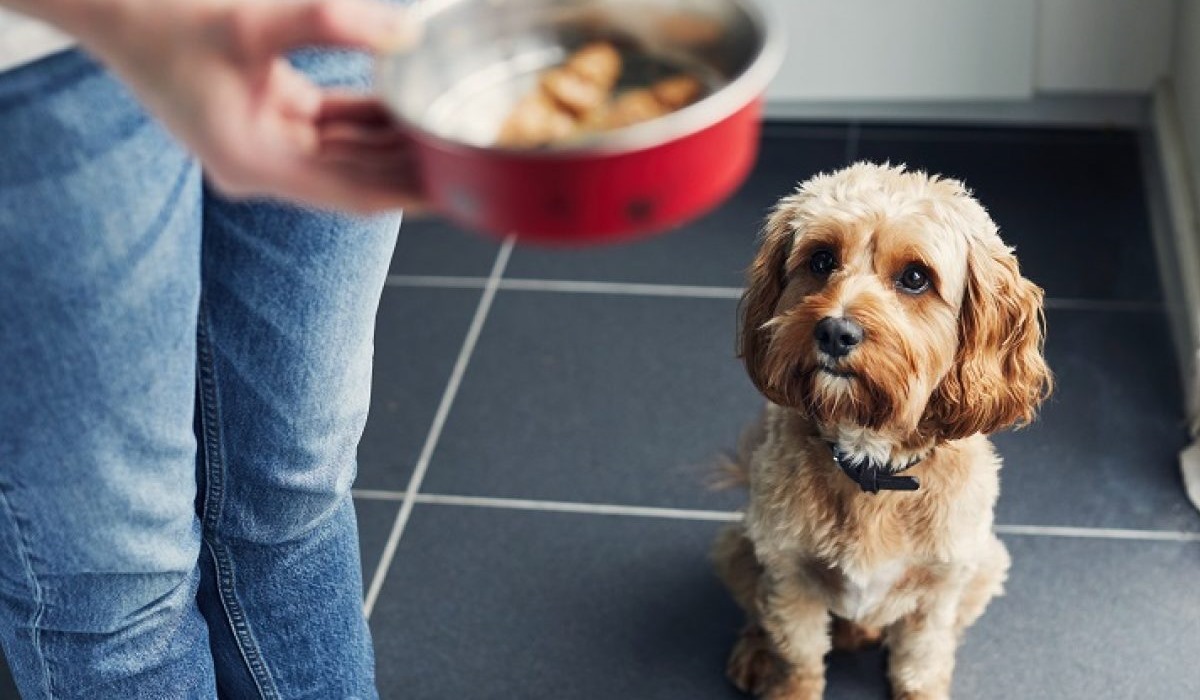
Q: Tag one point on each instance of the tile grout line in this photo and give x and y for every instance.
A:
(377, 495)
(588, 508)
(697, 291)
(1099, 533)
(628, 288)
(439, 422)
(733, 516)
(436, 281)
(569, 286)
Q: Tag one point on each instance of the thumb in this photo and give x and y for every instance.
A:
(360, 24)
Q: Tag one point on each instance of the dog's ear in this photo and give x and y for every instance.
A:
(765, 282)
(999, 376)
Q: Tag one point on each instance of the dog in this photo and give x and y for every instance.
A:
(890, 330)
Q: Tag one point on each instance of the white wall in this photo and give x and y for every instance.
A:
(1103, 45)
(909, 50)
(1175, 165)
(963, 50)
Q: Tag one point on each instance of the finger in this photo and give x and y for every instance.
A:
(336, 195)
(364, 165)
(300, 136)
(355, 181)
(348, 107)
(334, 191)
(350, 184)
(353, 135)
(360, 168)
(395, 164)
(297, 95)
(363, 24)
(334, 188)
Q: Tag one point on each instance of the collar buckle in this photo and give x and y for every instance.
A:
(871, 476)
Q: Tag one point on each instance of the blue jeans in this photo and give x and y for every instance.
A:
(183, 384)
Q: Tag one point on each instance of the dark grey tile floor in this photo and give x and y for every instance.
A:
(617, 395)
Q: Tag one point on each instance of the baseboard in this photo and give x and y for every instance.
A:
(1090, 111)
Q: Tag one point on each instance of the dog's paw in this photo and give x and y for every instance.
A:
(753, 666)
(848, 636)
(796, 687)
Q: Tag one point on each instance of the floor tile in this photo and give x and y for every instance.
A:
(597, 398)
(713, 250)
(484, 603)
(375, 521)
(419, 334)
(628, 400)
(1103, 452)
(1072, 202)
(431, 245)
(1088, 619)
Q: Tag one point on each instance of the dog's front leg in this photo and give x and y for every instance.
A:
(797, 622)
(921, 660)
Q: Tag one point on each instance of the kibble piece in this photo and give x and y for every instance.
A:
(535, 121)
(573, 91)
(576, 99)
(632, 107)
(598, 62)
(677, 92)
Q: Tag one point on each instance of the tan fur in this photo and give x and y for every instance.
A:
(935, 373)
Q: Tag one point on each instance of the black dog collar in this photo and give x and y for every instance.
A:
(873, 477)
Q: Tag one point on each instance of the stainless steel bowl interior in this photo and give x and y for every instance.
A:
(476, 58)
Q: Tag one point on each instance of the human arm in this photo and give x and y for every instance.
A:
(214, 73)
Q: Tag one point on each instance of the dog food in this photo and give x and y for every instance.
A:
(577, 99)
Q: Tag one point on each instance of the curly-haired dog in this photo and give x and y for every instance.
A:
(891, 330)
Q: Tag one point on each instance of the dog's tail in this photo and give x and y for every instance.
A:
(733, 468)
(729, 473)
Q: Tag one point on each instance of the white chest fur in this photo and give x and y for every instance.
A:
(862, 592)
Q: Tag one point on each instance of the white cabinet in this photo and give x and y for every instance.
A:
(945, 50)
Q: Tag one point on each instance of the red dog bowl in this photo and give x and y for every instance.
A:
(476, 58)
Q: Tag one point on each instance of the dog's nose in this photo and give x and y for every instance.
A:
(838, 336)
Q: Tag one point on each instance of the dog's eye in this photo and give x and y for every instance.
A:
(822, 262)
(914, 279)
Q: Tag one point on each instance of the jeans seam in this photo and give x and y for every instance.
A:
(39, 599)
(214, 492)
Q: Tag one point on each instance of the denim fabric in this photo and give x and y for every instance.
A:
(183, 383)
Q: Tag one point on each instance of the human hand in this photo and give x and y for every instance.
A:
(214, 72)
